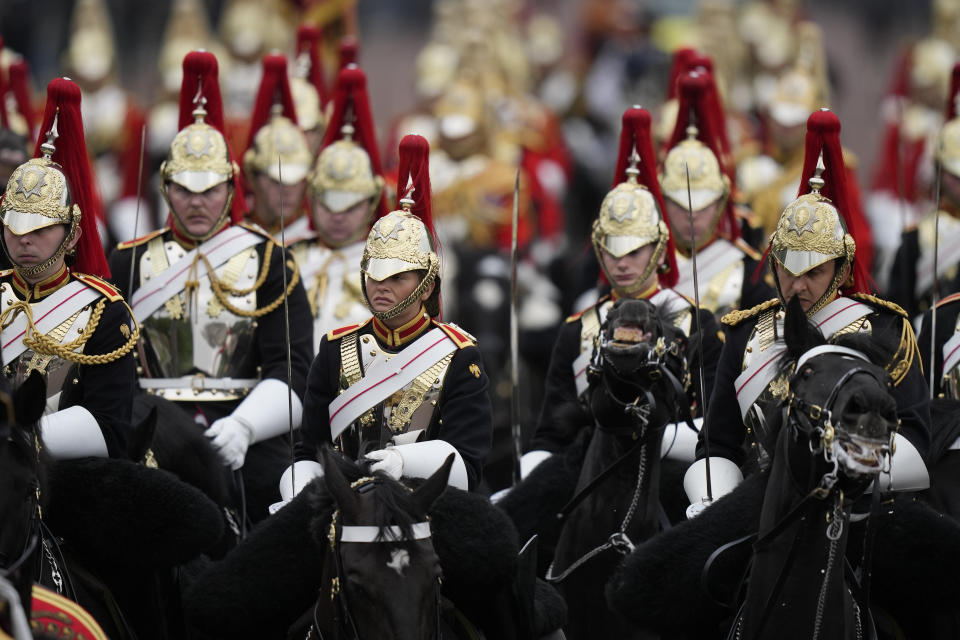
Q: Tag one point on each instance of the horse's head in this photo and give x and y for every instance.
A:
(639, 362)
(21, 479)
(385, 575)
(840, 400)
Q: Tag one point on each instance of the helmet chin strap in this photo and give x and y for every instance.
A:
(217, 226)
(638, 285)
(28, 273)
(822, 301)
(399, 308)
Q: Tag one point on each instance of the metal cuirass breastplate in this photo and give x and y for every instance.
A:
(722, 292)
(402, 418)
(193, 333)
(54, 369)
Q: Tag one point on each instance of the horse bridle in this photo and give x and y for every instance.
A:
(653, 369)
(817, 424)
(344, 623)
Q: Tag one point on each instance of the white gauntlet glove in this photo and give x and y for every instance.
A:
(387, 460)
(263, 414)
(231, 437)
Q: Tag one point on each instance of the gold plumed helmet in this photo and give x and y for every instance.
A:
(803, 88)
(947, 153)
(707, 182)
(38, 195)
(398, 242)
(811, 231)
(629, 219)
(343, 175)
(930, 65)
(347, 170)
(307, 103)
(282, 139)
(198, 158)
(91, 51)
(436, 68)
(402, 240)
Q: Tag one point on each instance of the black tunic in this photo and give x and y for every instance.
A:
(947, 311)
(725, 426)
(555, 430)
(105, 390)
(462, 416)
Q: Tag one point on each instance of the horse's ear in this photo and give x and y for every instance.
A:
(799, 334)
(431, 489)
(142, 436)
(30, 399)
(337, 484)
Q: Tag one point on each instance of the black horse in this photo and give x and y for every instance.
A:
(102, 532)
(824, 553)
(278, 581)
(637, 380)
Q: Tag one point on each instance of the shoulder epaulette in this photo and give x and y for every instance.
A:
(340, 332)
(257, 229)
(136, 242)
(752, 253)
(579, 314)
(108, 290)
(948, 300)
(880, 302)
(460, 337)
(693, 303)
(734, 318)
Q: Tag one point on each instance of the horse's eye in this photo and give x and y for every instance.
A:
(807, 372)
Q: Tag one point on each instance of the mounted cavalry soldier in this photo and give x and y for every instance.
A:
(699, 208)
(210, 292)
(924, 259)
(431, 399)
(277, 158)
(59, 317)
(345, 191)
(812, 258)
(635, 250)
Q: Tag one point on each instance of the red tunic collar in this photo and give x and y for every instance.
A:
(402, 335)
(43, 288)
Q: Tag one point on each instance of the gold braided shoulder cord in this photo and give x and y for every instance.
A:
(219, 289)
(43, 344)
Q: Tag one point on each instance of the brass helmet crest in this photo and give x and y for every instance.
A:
(198, 157)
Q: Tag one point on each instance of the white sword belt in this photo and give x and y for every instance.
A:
(198, 388)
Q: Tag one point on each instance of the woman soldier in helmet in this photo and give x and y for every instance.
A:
(812, 259)
(59, 318)
(405, 424)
